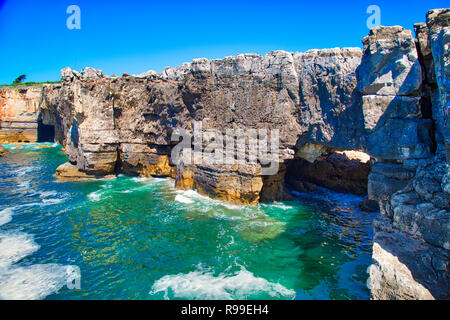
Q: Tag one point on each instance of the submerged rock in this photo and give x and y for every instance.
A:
(69, 172)
(3, 151)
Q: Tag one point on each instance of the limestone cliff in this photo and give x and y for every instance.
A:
(405, 109)
(125, 123)
(19, 108)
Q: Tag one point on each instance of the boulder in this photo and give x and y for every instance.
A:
(3, 151)
(390, 64)
(69, 172)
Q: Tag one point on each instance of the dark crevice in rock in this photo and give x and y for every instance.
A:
(45, 133)
(335, 171)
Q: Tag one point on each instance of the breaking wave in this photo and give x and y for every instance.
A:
(202, 284)
(6, 216)
(33, 282)
(27, 282)
(14, 246)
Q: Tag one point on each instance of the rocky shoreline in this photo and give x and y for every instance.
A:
(389, 100)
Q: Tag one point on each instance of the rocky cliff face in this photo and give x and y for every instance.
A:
(125, 124)
(389, 100)
(19, 108)
(405, 106)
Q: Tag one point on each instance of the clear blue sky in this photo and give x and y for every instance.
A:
(135, 36)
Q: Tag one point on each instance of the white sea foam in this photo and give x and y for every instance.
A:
(52, 197)
(52, 201)
(194, 196)
(6, 215)
(29, 282)
(25, 170)
(140, 179)
(14, 246)
(202, 284)
(24, 185)
(47, 194)
(33, 282)
(183, 199)
(224, 211)
(96, 195)
(278, 205)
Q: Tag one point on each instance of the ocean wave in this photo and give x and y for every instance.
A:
(14, 246)
(53, 197)
(6, 216)
(202, 284)
(183, 199)
(117, 186)
(20, 172)
(277, 205)
(96, 195)
(33, 282)
(27, 282)
(191, 196)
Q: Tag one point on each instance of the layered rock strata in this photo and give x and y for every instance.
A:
(19, 108)
(125, 124)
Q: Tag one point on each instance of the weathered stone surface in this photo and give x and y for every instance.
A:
(330, 105)
(424, 50)
(236, 184)
(69, 172)
(377, 109)
(400, 139)
(390, 64)
(438, 24)
(311, 152)
(405, 267)
(412, 237)
(19, 108)
(387, 178)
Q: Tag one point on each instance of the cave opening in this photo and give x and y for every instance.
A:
(45, 133)
(341, 171)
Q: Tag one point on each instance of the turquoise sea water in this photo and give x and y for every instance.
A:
(135, 238)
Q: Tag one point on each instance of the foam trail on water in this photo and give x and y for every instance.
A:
(183, 199)
(23, 171)
(14, 246)
(6, 216)
(33, 282)
(194, 196)
(202, 284)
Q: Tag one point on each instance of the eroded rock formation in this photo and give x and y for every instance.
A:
(405, 110)
(125, 124)
(19, 108)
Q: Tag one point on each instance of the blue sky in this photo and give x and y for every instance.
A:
(135, 36)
